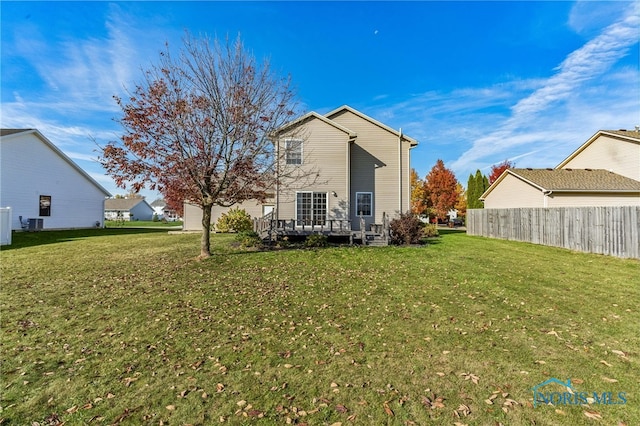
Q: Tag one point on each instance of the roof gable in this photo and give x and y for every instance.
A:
(626, 135)
(9, 134)
(315, 116)
(365, 117)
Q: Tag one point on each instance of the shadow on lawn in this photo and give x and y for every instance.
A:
(31, 239)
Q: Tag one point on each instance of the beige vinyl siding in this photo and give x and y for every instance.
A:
(324, 159)
(192, 218)
(512, 192)
(375, 166)
(592, 200)
(618, 155)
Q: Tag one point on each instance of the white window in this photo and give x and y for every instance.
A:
(311, 208)
(364, 203)
(293, 151)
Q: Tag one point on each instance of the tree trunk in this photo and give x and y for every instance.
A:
(205, 243)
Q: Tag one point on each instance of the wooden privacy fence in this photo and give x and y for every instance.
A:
(612, 231)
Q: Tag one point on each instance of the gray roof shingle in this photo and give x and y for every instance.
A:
(635, 134)
(578, 179)
(121, 203)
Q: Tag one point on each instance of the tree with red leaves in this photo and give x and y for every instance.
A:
(198, 129)
(498, 169)
(441, 188)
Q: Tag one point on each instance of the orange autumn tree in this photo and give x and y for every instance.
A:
(198, 128)
(418, 195)
(461, 204)
(441, 190)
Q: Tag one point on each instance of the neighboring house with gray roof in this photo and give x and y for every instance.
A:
(44, 187)
(517, 188)
(127, 209)
(604, 171)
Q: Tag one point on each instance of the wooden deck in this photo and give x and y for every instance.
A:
(274, 229)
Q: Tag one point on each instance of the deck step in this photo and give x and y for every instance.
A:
(376, 240)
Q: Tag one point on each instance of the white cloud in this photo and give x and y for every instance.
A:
(559, 110)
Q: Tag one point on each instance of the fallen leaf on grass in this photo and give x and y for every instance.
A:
(617, 352)
(434, 402)
(128, 380)
(472, 377)
(554, 333)
(608, 380)
(170, 407)
(255, 413)
(510, 402)
(605, 363)
(593, 415)
(388, 409)
(341, 408)
(462, 411)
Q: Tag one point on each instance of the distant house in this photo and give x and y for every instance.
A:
(162, 211)
(604, 171)
(561, 188)
(361, 165)
(44, 187)
(127, 209)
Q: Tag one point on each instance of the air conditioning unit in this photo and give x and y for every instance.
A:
(35, 224)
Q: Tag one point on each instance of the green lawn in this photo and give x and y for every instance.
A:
(122, 326)
(141, 223)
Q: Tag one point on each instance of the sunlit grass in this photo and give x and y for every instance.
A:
(116, 327)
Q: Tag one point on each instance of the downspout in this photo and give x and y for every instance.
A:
(546, 197)
(400, 169)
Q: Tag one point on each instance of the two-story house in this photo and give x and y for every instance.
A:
(353, 167)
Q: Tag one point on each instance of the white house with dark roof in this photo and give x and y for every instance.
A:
(127, 209)
(44, 187)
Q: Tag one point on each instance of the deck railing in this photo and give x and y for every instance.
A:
(266, 226)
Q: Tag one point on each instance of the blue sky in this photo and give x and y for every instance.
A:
(474, 82)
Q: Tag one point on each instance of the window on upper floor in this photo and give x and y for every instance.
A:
(293, 151)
